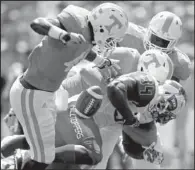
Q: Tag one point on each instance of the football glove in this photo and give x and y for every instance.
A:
(73, 38)
(152, 155)
(110, 69)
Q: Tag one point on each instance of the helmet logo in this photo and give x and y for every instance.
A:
(153, 59)
(167, 24)
(116, 22)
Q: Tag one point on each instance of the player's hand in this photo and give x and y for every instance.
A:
(8, 163)
(72, 38)
(110, 69)
(152, 155)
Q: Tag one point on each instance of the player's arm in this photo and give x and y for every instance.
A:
(10, 143)
(69, 154)
(118, 93)
(49, 27)
(54, 29)
(78, 154)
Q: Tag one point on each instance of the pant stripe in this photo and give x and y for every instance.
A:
(27, 123)
(36, 127)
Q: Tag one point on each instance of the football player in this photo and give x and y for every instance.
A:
(110, 130)
(68, 39)
(77, 138)
(163, 32)
(142, 141)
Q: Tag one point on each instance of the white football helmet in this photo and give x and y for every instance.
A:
(109, 23)
(170, 101)
(157, 64)
(163, 32)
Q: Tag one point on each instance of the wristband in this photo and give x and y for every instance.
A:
(56, 32)
(98, 60)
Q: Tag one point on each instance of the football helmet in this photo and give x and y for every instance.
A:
(170, 101)
(87, 103)
(109, 23)
(163, 32)
(157, 64)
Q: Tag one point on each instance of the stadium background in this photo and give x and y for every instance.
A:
(17, 41)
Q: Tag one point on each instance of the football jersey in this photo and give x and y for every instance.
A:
(140, 87)
(134, 39)
(51, 59)
(141, 91)
(71, 129)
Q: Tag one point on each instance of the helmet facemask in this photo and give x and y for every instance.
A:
(162, 110)
(167, 106)
(153, 41)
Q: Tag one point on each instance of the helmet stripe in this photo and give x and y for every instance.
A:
(171, 68)
(167, 24)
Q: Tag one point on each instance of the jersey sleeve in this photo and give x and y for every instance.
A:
(182, 63)
(72, 18)
(128, 57)
(74, 83)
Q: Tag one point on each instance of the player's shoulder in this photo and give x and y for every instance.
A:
(76, 10)
(128, 57)
(139, 75)
(73, 18)
(181, 63)
(136, 30)
(123, 52)
(134, 37)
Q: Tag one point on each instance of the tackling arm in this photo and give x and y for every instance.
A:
(76, 154)
(68, 154)
(50, 27)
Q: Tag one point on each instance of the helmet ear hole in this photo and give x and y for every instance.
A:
(164, 65)
(101, 30)
(142, 69)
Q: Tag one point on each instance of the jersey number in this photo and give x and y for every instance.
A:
(146, 86)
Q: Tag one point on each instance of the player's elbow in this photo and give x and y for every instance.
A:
(10, 143)
(97, 157)
(35, 23)
(112, 89)
(40, 26)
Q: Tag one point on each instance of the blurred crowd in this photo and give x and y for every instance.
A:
(17, 39)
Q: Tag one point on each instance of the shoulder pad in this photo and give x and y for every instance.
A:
(128, 58)
(181, 63)
(73, 18)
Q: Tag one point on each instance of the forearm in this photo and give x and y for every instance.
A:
(10, 143)
(44, 26)
(117, 94)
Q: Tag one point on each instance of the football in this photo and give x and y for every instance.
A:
(89, 101)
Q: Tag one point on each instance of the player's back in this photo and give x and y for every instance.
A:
(134, 37)
(71, 129)
(51, 60)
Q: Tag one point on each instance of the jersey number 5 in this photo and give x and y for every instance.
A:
(146, 86)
